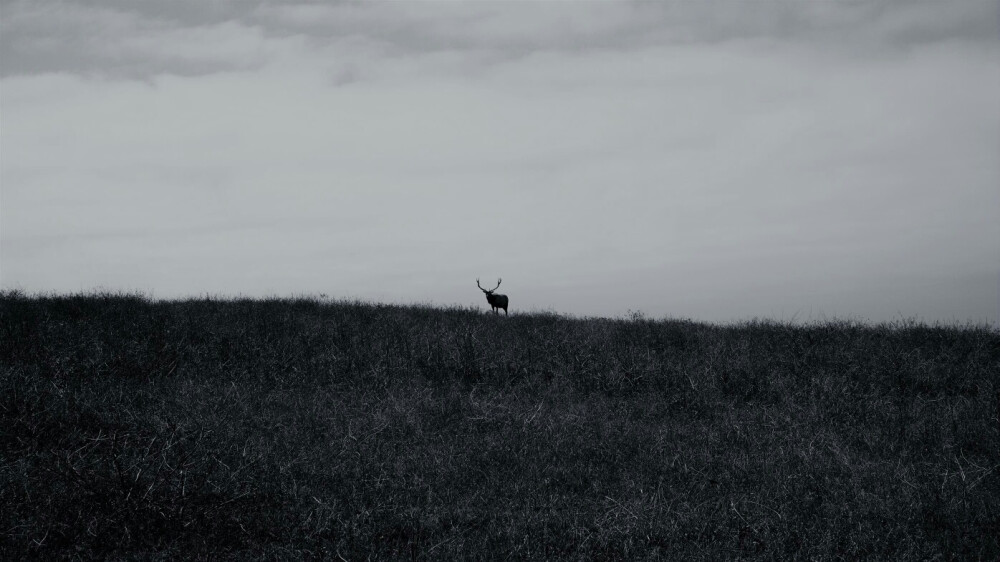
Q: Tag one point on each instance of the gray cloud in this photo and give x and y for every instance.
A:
(141, 39)
(114, 41)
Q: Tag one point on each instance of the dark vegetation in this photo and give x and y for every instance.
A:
(131, 428)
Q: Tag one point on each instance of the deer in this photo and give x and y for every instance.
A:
(496, 301)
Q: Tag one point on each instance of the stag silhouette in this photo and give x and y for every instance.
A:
(496, 301)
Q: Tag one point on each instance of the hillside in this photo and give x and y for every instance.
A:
(300, 429)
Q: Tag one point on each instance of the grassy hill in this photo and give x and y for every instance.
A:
(301, 429)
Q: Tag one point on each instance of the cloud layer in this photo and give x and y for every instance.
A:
(716, 161)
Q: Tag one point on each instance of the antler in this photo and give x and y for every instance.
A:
(491, 290)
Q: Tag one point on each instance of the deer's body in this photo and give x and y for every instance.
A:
(496, 301)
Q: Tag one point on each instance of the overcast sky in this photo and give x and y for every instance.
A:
(709, 160)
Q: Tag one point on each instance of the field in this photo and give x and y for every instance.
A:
(294, 429)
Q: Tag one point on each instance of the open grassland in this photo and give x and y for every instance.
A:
(301, 429)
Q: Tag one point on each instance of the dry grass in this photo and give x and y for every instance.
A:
(302, 429)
